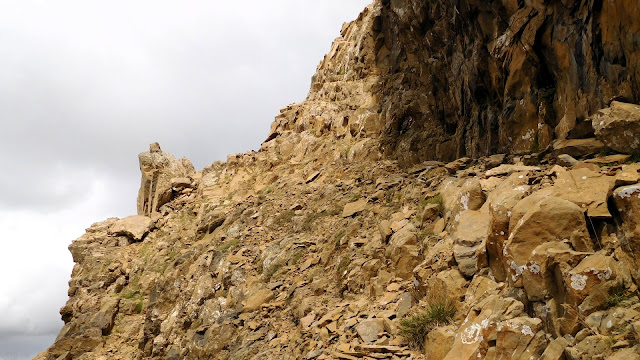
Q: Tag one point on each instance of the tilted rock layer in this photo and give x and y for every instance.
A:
(339, 238)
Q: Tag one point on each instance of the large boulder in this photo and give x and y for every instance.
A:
(461, 195)
(501, 202)
(481, 326)
(539, 277)
(618, 126)
(158, 169)
(552, 219)
(587, 189)
(627, 200)
(470, 241)
(403, 251)
(134, 227)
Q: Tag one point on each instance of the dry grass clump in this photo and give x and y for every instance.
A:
(414, 328)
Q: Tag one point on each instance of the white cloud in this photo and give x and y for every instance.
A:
(86, 85)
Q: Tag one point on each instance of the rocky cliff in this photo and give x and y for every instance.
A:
(458, 184)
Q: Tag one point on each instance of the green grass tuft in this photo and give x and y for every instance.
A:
(616, 298)
(228, 245)
(414, 328)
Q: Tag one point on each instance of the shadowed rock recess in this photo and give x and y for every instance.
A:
(462, 182)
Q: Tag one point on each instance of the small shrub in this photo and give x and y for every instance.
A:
(635, 157)
(296, 257)
(339, 236)
(284, 218)
(139, 307)
(616, 298)
(272, 270)
(436, 199)
(415, 328)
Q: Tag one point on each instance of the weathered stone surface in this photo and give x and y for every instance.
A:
(552, 219)
(158, 168)
(507, 169)
(481, 326)
(370, 329)
(403, 252)
(430, 213)
(555, 349)
(501, 202)
(618, 126)
(566, 160)
(519, 338)
(586, 283)
(627, 200)
(587, 189)
(470, 241)
(459, 196)
(439, 342)
(354, 208)
(539, 277)
(259, 298)
(285, 276)
(578, 147)
(134, 227)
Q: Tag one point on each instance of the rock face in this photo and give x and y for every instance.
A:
(436, 80)
(337, 240)
(135, 227)
(618, 126)
(158, 169)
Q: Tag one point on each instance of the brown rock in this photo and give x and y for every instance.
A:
(555, 349)
(552, 219)
(539, 276)
(587, 165)
(628, 176)
(369, 330)
(134, 227)
(431, 213)
(470, 241)
(439, 342)
(618, 126)
(586, 284)
(459, 196)
(566, 160)
(578, 147)
(354, 208)
(587, 189)
(158, 168)
(520, 338)
(403, 252)
(255, 301)
(627, 200)
(507, 169)
(481, 326)
(501, 202)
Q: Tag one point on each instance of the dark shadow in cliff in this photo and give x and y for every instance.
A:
(473, 78)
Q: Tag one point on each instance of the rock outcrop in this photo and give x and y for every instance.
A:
(160, 172)
(448, 190)
(442, 80)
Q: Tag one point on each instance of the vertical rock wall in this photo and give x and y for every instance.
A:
(442, 79)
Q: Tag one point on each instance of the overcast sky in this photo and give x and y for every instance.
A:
(86, 85)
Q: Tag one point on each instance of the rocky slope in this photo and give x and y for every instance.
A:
(344, 238)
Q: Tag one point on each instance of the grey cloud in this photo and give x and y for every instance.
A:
(23, 348)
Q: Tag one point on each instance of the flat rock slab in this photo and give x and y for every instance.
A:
(618, 126)
(354, 208)
(134, 227)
